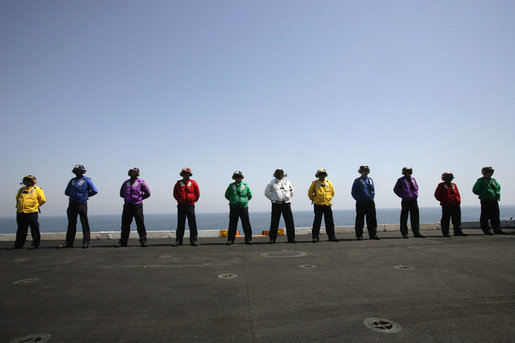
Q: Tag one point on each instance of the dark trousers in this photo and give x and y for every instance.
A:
(243, 214)
(451, 213)
(411, 207)
(368, 209)
(183, 212)
(130, 212)
(327, 212)
(24, 221)
(489, 211)
(73, 211)
(285, 210)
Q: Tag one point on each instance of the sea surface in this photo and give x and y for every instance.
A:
(259, 220)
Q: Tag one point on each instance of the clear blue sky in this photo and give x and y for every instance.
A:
(254, 85)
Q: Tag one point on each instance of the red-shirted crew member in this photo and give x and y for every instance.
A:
(186, 192)
(449, 196)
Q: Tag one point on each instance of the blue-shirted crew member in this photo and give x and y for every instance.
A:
(79, 189)
(363, 191)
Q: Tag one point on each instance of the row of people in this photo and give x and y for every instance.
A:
(279, 191)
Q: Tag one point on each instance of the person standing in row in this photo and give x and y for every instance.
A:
(321, 193)
(133, 191)
(28, 201)
(363, 191)
(406, 188)
(280, 191)
(238, 193)
(79, 189)
(187, 193)
(489, 192)
(449, 196)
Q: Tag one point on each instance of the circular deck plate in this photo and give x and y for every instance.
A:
(307, 266)
(25, 281)
(382, 325)
(38, 337)
(227, 276)
(404, 267)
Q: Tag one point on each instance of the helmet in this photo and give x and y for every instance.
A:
(30, 178)
(133, 170)
(237, 173)
(78, 168)
(487, 170)
(185, 171)
(407, 170)
(279, 171)
(320, 171)
(447, 176)
(363, 168)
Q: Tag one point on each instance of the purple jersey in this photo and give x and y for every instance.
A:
(133, 192)
(406, 188)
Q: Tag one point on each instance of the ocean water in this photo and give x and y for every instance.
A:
(259, 220)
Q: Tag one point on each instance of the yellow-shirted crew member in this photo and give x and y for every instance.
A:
(28, 201)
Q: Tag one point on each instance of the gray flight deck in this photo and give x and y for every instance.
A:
(458, 289)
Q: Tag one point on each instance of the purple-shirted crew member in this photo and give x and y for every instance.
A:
(133, 191)
(406, 188)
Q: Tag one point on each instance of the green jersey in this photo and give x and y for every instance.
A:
(238, 194)
(487, 189)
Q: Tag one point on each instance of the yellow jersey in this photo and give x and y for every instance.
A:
(321, 192)
(29, 199)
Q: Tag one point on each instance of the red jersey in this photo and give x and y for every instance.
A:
(186, 193)
(448, 194)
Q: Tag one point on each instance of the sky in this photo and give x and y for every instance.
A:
(221, 85)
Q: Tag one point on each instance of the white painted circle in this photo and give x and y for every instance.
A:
(284, 254)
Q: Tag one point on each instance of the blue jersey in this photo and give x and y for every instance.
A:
(363, 189)
(79, 189)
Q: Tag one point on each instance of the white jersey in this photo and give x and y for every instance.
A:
(280, 191)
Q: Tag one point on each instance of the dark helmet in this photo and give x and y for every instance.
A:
(407, 170)
(186, 171)
(447, 176)
(279, 171)
(320, 172)
(237, 173)
(133, 170)
(30, 178)
(79, 168)
(487, 170)
(363, 168)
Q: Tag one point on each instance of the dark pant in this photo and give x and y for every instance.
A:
(73, 211)
(411, 207)
(243, 214)
(489, 211)
(327, 212)
(451, 213)
(368, 209)
(285, 210)
(184, 211)
(24, 221)
(136, 212)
